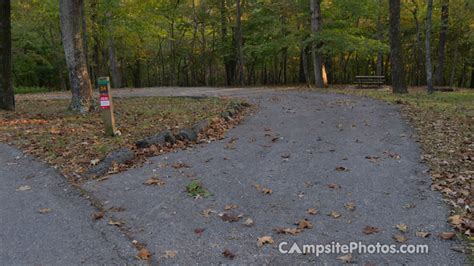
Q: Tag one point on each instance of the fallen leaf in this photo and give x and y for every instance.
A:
(334, 186)
(116, 223)
(402, 227)
(400, 238)
(170, 254)
(199, 230)
(350, 206)
(144, 254)
(447, 235)
(342, 169)
(335, 214)
(267, 191)
(422, 234)
(248, 222)
(289, 231)
(409, 206)
(207, 212)
(312, 211)
(97, 215)
(230, 217)
(44, 210)
(230, 207)
(228, 254)
(23, 188)
(264, 240)
(370, 230)
(153, 181)
(346, 258)
(455, 220)
(179, 164)
(95, 162)
(304, 224)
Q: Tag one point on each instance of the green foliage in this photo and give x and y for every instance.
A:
(195, 189)
(191, 43)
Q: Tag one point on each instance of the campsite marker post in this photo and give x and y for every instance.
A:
(106, 105)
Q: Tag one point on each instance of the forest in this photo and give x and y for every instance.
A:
(150, 43)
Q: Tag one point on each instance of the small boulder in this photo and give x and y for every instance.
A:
(119, 156)
(187, 134)
(160, 139)
(201, 126)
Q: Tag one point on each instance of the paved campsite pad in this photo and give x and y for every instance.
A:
(64, 233)
(297, 145)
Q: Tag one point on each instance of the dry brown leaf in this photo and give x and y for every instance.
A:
(153, 181)
(350, 206)
(447, 235)
(264, 240)
(116, 223)
(304, 224)
(289, 231)
(335, 214)
(97, 215)
(422, 234)
(199, 230)
(207, 212)
(341, 169)
(179, 164)
(230, 207)
(370, 230)
(23, 188)
(267, 191)
(346, 258)
(228, 254)
(334, 186)
(455, 220)
(402, 227)
(170, 254)
(248, 222)
(400, 238)
(143, 254)
(230, 217)
(312, 211)
(44, 210)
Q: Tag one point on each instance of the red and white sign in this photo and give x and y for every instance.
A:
(104, 102)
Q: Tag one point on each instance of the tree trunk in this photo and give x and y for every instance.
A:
(439, 75)
(453, 66)
(396, 56)
(316, 23)
(114, 66)
(380, 27)
(239, 45)
(429, 68)
(418, 51)
(7, 98)
(70, 11)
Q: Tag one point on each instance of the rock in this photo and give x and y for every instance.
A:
(160, 139)
(201, 126)
(120, 156)
(187, 134)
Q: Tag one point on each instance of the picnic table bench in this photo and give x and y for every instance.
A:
(369, 81)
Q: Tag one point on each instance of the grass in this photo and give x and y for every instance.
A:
(444, 122)
(24, 89)
(69, 141)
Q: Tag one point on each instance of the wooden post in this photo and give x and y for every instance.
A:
(106, 106)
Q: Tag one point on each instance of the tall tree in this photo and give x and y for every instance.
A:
(429, 67)
(380, 27)
(443, 34)
(316, 23)
(113, 63)
(7, 98)
(239, 45)
(71, 23)
(396, 56)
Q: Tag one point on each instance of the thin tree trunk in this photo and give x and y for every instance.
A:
(439, 74)
(453, 66)
(316, 23)
(114, 65)
(396, 56)
(429, 67)
(380, 27)
(239, 45)
(70, 11)
(418, 51)
(7, 98)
